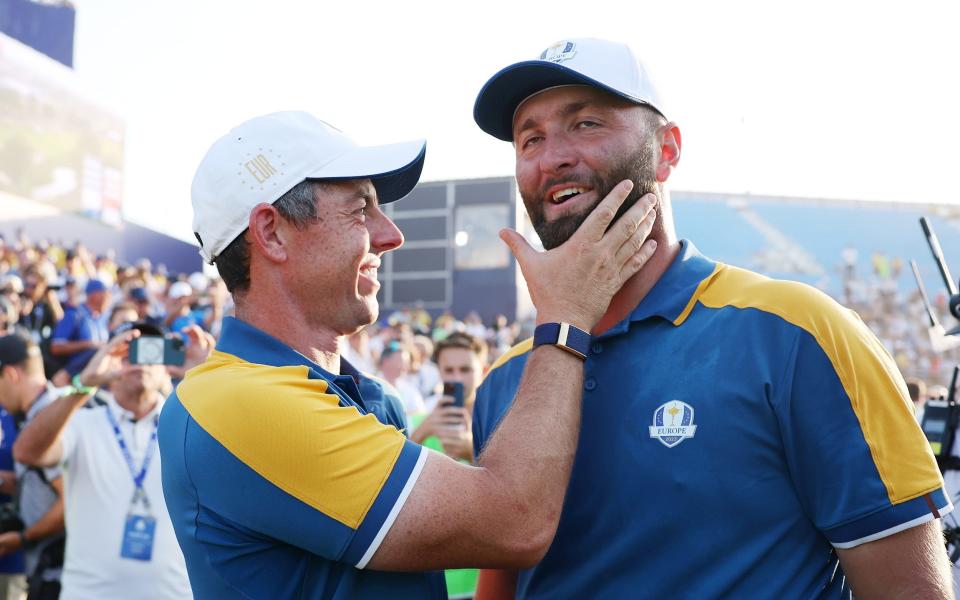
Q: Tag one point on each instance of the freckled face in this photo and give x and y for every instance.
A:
(335, 259)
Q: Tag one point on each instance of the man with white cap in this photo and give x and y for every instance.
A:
(742, 437)
(284, 468)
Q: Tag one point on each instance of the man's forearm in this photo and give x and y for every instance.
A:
(530, 455)
(910, 564)
(62, 348)
(34, 443)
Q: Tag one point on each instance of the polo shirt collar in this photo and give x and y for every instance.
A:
(676, 290)
(257, 346)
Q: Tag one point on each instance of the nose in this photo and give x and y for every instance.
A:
(558, 155)
(384, 233)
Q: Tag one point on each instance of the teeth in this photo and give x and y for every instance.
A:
(568, 192)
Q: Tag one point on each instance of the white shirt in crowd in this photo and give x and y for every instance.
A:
(98, 488)
(410, 394)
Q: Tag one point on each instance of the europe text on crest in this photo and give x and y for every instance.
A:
(673, 423)
(559, 52)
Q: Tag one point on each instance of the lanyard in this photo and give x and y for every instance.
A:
(139, 494)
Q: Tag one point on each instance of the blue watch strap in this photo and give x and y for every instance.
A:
(564, 335)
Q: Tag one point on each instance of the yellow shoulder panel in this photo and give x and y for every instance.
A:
(521, 348)
(868, 374)
(289, 430)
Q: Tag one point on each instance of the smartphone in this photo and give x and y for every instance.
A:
(454, 389)
(157, 350)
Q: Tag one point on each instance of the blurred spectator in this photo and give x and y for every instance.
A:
(24, 392)
(473, 325)
(40, 313)
(422, 370)
(357, 352)
(82, 331)
(13, 581)
(918, 394)
(11, 287)
(121, 542)
(8, 316)
(394, 368)
(443, 326)
(140, 298)
(179, 314)
(461, 359)
(121, 314)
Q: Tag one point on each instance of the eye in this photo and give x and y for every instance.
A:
(533, 139)
(587, 124)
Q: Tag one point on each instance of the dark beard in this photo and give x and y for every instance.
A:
(637, 167)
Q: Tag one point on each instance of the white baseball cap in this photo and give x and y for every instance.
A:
(262, 159)
(610, 66)
(180, 289)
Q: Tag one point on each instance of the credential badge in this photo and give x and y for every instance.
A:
(673, 423)
(559, 52)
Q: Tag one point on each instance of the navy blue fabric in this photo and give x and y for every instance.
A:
(744, 506)
(11, 563)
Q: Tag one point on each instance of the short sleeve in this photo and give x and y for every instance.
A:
(860, 463)
(70, 437)
(496, 394)
(64, 329)
(278, 455)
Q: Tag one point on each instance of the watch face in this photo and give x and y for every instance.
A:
(150, 351)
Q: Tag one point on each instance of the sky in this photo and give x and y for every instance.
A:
(840, 99)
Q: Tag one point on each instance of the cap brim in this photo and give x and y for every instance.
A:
(505, 91)
(394, 169)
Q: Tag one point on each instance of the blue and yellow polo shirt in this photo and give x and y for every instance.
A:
(736, 429)
(280, 480)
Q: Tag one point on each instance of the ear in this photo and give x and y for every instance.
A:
(267, 232)
(670, 143)
(10, 373)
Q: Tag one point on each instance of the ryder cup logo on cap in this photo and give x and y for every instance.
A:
(262, 159)
(559, 52)
(609, 66)
(673, 423)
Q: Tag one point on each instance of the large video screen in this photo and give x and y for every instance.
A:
(58, 145)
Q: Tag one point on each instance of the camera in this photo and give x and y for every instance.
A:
(157, 350)
(9, 518)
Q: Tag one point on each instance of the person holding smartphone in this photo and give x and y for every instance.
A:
(460, 358)
(121, 542)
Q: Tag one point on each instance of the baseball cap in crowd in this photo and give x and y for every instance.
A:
(94, 286)
(263, 158)
(610, 66)
(15, 348)
(11, 284)
(180, 289)
(199, 282)
(139, 294)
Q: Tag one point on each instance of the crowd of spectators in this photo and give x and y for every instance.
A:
(896, 313)
(70, 303)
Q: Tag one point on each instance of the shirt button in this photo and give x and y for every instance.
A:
(597, 348)
(590, 384)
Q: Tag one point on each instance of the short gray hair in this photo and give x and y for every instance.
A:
(298, 206)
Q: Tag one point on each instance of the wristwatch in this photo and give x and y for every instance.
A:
(563, 335)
